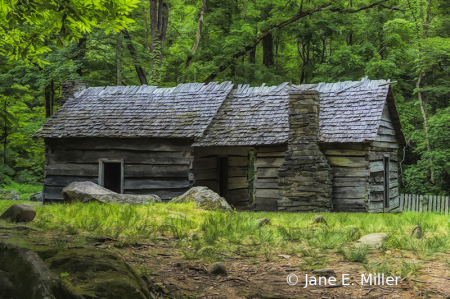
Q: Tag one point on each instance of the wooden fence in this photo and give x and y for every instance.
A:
(424, 203)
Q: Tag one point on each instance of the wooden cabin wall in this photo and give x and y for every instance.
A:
(206, 171)
(349, 166)
(151, 166)
(267, 163)
(386, 145)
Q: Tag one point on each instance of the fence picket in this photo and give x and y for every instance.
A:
(409, 203)
(420, 203)
(446, 205)
(402, 196)
(442, 200)
(414, 203)
(425, 204)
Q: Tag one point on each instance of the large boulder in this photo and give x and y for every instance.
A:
(9, 194)
(94, 273)
(24, 275)
(37, 196)
(19, 213)
(90, 192)
(205, 198)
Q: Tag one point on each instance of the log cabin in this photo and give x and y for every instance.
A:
(296, 148)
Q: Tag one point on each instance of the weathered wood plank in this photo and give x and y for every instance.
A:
(402, 201)
(377, 166)
(271, 149)
(387, 124)
(386, 131)
(131, 157)
(271, 183)
(349, 205)
(347, 161)
(137, 184)
(349, 182)
(267, 193)
(237, 161)
(80, 170)
(147, 144)
(237, 183)
(379, 156)
(237, 171)
(63, 181)
(386, 138)
(349, 172)
(205, 163)
(222, 151)
(271, 154)
(266, 204)
(148, 171)
(344, 146)
(345, 152)
(382, 145)
(394, 203)
(267, 172)
(205, 174)
(53, 193)
(238, 195)
(349, 192)
(269, 162)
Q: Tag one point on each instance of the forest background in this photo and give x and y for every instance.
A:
(167, 42)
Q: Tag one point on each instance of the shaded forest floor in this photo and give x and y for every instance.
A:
(170, 246)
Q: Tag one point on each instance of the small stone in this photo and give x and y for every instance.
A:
(262, 221)
(178, 265)
(19, 213)
(320, 219)
(327, 272)
(285, 256)
(9, 194)
(416, 232)
(217, 269)
(37, 196)
(374, 241)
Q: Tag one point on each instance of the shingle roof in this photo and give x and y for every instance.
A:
(217, 115)
(138, 111)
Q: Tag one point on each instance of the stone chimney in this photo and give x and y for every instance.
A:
(305, 180)
(70, 88)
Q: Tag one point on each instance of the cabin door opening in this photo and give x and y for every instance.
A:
(386, 179)
(111, 175)
(223, 176)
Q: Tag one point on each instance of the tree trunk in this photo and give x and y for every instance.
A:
(268, 50)
(153, 27)
(163, 32)
(119, 59)
(5, 128)
(198, 35)
(140, 72)
(82, 52)
(52, 98)
(48, 99)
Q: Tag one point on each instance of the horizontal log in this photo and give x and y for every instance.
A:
(237, 161)
(269, 162)
(222, 151)
(147, 144)
(345, 152)
(271, 154)
(53, 193)
(266, 204)
(379, 156)
(266, 183)
(153, 171)
(387, 124)
(205, 163)
(378, 166)
(386, 138)
(131, 157)
(349, 205)
(267, 172)
(80, 170)
(386, 131)
(349, 192)
(347, 161)
(238, 195)
(382, 145)
(205, 174)
(394, 203)
(62, 181)
(349, 182)
(349, 172)
(267, 193)
(237, 171)
(344, 146)
(137, 184)
(237, 183)
(271, 149)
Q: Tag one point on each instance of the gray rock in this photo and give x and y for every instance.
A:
(320, 219)
(374, 241)
(217, 269)
(19, 213)
(205, 198)
(416, 232)
(327, 272)
(90, 192)
(9, 194)
(24, 275)
(262, 221)
(37, 196)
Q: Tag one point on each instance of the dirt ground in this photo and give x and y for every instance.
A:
(180, 278)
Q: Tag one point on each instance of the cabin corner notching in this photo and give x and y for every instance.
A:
(315, 147)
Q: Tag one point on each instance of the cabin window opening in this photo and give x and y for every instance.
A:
(111, 175)
(386, 179)
(223, 176)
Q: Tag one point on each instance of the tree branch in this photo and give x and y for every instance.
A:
(359, 9)
(265, 33)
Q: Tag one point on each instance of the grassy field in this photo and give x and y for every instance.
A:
(215, 236)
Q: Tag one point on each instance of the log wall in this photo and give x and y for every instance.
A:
(206, 171)
(268, 161)
(151, 166)
(349, 166)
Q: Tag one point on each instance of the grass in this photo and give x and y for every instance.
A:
(25, 190)
(214, 236)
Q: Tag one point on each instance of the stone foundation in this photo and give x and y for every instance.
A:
(305, 180)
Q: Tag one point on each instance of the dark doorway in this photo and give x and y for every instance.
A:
(386, 186)
(223, 176)
(112, 176)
